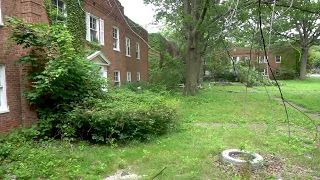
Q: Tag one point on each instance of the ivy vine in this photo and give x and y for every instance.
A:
(74, 21)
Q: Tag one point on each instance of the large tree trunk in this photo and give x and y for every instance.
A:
(303, 64)
(193, 62)
(192, 65)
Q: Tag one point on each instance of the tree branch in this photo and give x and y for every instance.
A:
(202, 16)
(288, 6)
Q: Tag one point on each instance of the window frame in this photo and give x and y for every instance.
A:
(264, 72)
(128, 46)
(1, 20)
(3, 90)
(61, 10)
(235, 59)
(115, 39)
(118, 78)
(138, 76)
(99, 28)
(276, 59)
(129, 78)
(264, 60)
(137, 50)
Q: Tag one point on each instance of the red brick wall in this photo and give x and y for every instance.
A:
(19, 110)
(119, 60)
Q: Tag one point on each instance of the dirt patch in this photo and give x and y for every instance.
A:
(273, 167)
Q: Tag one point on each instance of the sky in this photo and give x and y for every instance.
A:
(140, 13)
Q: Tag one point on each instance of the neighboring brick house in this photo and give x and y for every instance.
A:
(123, 56)
(279, 59)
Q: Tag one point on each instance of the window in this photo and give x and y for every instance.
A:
(265, 72)
(115, 36)
(262, 59)
(138, 50)
(206, 73)
(95, 29)
(235, 59)
(138, 76)
(247, 59)
(1, 21)
(128, 76)
(116, 78)
(60, 14)
(128, 47)
(3, 94)
(278, 59)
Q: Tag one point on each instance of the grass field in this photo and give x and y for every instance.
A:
(192, 150)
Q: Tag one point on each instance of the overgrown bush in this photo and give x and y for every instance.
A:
(169, 74)
(287, 74)
(122, 115)
(252, 77)
(139, 87)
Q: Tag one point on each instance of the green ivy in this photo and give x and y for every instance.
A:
(76, 24)
(74, 20)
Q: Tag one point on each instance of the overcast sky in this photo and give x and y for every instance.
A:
(139, 13)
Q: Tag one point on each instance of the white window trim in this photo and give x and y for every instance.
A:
(138, 76)
(4, 108)
(264, 60)
(119, 77)
(100, 28)
(128, 47)
(138, 50)
(237, 59)
(264, 72)
(276, 59)
(129, 77)
(1, 20)
(118, 40)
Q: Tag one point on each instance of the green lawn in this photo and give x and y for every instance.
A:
(191, 151)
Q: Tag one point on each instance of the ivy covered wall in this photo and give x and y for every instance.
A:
(74, 19)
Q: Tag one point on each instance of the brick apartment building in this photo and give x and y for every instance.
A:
(279, 59)
(123, 56)
(283, 61)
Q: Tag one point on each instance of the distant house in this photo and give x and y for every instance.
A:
(281, 60)
(123, 56)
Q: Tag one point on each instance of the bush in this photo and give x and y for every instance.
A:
(139, 87)
(287, 74)
(256, 78)
(122, 115)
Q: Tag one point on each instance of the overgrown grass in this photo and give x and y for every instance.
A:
(190, 150)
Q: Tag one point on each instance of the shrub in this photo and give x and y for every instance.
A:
(287, 74)
(255, 78)
(123, 115)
